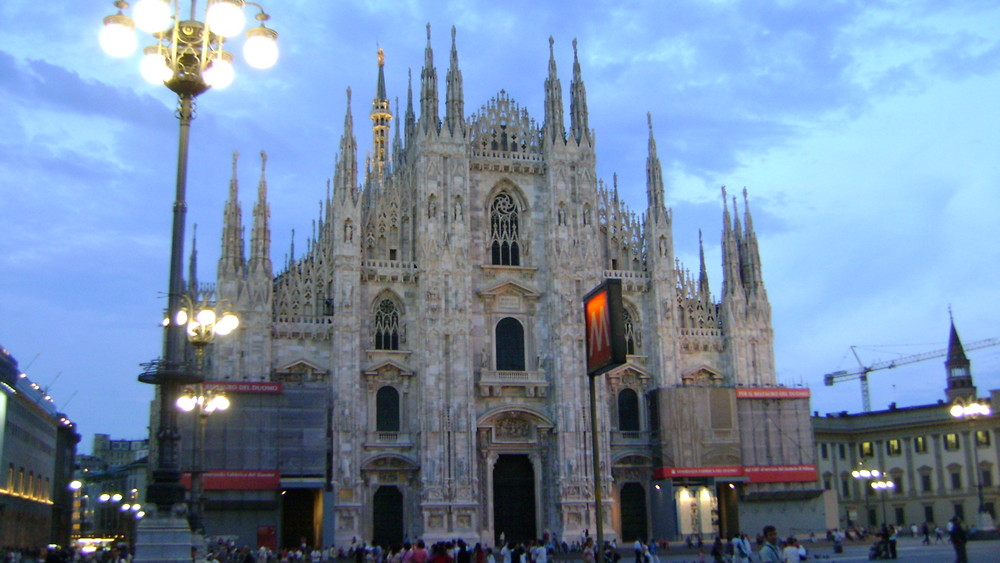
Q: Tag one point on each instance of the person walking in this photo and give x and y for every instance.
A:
(770, 552)
(742, 549)
(958, 539)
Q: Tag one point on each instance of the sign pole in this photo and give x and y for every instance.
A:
(596, 448)
(604, 329)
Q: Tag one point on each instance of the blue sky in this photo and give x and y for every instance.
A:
(866, 132)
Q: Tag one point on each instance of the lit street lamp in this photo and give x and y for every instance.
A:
(116, 515)
(883, 486)
(972, 410)
(202, 323)
(204, 403)
(867, 476)
(188, 57)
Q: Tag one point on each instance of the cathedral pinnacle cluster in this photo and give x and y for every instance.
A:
(429, 341)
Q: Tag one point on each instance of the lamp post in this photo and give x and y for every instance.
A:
(973, 410)
(109, 520)
(204, 403)
(188, 57)
(202, 323)
(866, 475)
(76, 524)
(883, 486)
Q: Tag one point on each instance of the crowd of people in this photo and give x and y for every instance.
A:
(766, 548)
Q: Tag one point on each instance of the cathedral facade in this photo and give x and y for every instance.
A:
(419, 370)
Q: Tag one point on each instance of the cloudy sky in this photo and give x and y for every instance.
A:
(867, 134)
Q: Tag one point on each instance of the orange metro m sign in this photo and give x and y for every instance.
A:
(605, 327)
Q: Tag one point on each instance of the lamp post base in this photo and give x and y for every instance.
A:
(163, 539)
(984, 522)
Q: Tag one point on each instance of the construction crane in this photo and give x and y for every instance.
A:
(863, 371)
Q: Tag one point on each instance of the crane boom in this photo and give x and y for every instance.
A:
(863, 371)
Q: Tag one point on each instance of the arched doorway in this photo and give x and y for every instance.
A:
(514, 499)
(387, 525)
(633, 511)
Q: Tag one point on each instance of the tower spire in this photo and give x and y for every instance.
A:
(260, 236)
(959, 368)
(455, 104)
(654, 176)
(703, 288)
(410, 120)
(731, 282)
(755, 279)
(231, 259)
(579, 119)
(380, 116)
(555, 130)
(429, 89)
(397, 143)
(345, 175)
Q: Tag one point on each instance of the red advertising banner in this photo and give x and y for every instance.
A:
(781, 473)
(772, 393)
(717, 471)
(245, 386)
(753, 473)
(237, 480)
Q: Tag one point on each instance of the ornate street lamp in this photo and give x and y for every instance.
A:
(883, 486)
(973, 410)
(202, 323)
(867, 475)
(204, 402)
(188, 56)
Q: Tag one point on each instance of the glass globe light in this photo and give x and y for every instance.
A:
(225, 17)
(186, 403)
(227, 324)
(118, 35)
(220, 73)
(75, 485)
(140, 514)
(116, 497)
(155, 70)
(206, 317)
(152, 15)
(261, 47)
(182, 317)
(105, 497)
(221, 402)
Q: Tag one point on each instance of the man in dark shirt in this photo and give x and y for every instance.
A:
(958, 539)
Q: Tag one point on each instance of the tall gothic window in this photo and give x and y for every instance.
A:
(387, 410)
(510, 345)
(387, 326)
(631, 332)
(628, 411)
(504, 232)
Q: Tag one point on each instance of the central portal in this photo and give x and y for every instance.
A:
(514, 499)
(387, 528)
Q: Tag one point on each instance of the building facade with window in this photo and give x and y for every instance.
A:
(937, 462)
(419, 370)
(37, 446)
(117, 451)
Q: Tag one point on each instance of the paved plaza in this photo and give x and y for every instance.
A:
(908, 549)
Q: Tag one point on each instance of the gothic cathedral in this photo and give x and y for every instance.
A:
(418, 371)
